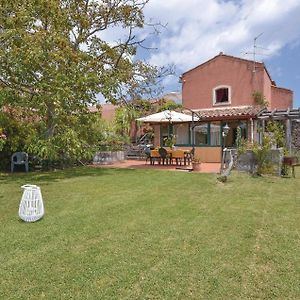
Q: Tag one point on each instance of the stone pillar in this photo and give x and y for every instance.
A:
(252, 130)
(288, 135)
(156, 135)
(296, 135)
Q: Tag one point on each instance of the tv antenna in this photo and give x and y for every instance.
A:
(255, 53)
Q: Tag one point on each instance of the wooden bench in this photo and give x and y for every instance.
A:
(291, 161)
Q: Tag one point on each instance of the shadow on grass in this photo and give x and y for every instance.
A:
(54, 176)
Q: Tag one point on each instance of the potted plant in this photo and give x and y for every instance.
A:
(170, 141)
(196, 163)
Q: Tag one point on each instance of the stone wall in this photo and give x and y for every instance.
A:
(296, 135)
(247, 162)
(108, 157)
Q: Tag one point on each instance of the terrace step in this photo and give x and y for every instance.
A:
(135, 152)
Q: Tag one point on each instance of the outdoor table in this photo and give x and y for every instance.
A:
(155, 155)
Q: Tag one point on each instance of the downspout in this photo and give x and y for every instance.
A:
(252, 130)
(263, 131)
(193, 133)
(288, 135)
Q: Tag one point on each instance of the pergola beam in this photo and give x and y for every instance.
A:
(282, 114)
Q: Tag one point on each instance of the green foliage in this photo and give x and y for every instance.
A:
(2, 139)
(167, 104)
(170, 141)
(273, 137)
(260, 99)
(243, 146)
(261, 152)
(54, 61)
(124, 117)
(17, 131)
(106, 137)
(142, 106)
(276, 130)
(222, 178)
(17, 127)
(239, 138)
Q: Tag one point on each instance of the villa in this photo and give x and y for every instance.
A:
(224, 90)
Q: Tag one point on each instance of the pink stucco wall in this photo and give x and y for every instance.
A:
(198, 84)
(267, 88)
(281, 98)
(242, 76)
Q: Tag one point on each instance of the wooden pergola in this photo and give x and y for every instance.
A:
(286, 115)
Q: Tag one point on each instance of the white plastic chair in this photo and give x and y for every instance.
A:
(31, 206)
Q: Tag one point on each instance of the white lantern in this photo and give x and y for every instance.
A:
(31, 206)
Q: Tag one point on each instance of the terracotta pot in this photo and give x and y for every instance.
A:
(196, 166)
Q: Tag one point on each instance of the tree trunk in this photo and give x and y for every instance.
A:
(50, 120)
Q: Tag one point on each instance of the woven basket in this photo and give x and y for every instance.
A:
(31, 206)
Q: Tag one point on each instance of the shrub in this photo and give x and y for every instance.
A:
(260, 99)
(273, 137)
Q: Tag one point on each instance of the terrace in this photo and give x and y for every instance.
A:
(141, 164)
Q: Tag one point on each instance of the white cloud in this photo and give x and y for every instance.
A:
(198, 29)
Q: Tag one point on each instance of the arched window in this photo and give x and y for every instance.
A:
(222, 95)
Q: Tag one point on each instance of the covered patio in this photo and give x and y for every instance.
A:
(203, 130)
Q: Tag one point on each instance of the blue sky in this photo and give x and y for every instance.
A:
(197, 30)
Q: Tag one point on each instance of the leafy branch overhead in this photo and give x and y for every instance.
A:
(57, 48)
(57, 56)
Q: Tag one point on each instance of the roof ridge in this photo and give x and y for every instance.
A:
(282, 88)
(229, 56)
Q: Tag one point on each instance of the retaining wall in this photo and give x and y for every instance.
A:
(108, 157)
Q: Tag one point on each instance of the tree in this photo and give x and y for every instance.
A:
(124, 117)
(55, 61)
(168, 104)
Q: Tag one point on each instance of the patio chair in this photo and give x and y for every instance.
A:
(19, 158)
(164, 155)
(189, 156)
(179, 156)
(147, 152)
(154, 156)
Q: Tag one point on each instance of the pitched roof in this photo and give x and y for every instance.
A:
(221, 54)
(217, 113)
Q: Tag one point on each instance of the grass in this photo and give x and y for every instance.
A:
(145, 234)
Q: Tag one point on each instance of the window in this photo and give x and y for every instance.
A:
(221, 95)
(201, 134)
(215, 134)
(243, 128)
(164, 133)
(181, 132)
(235, 126)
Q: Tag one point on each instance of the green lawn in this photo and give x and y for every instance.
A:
(145, 234)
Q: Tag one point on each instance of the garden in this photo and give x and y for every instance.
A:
(122, 233)
(148, 234)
